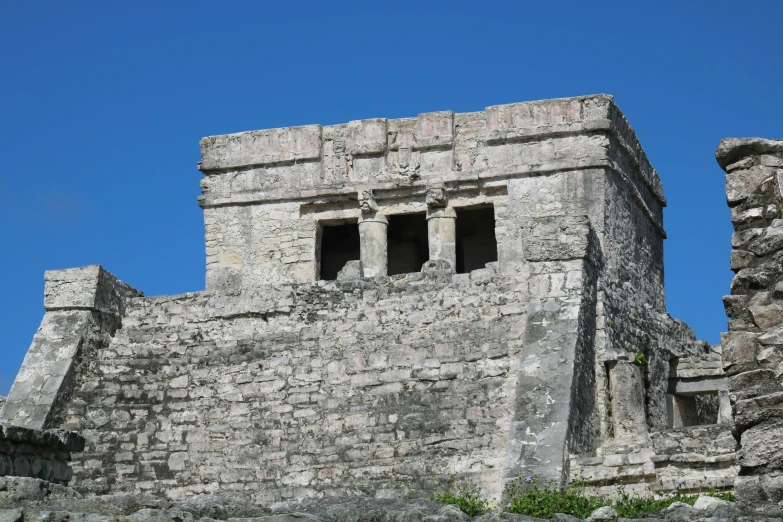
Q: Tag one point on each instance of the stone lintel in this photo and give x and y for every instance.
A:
(86, 287)
(697, 386)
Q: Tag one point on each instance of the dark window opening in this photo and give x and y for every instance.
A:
(407, 246)
(476, 243)
(693, 410)
(339, 244)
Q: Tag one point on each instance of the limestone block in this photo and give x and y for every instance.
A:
(434, 130)
(735, 305)
(697, 386)
(261, 147)
(759, 489)
(740, 184)
(761, 446)
(367, 136)
(86, 287)
(732, 150)
(351, 270)
(556, 238)
(627, 389)
(770, 241)
(749, 412)
(519, 119)
(753, 383)
(12, 515)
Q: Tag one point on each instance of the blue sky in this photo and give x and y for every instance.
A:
(102, 105)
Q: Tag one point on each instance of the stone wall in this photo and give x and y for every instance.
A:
(40, 454)
(83, 310)
(273, 384)
(268, 193)
(752, 348)
(383, 386)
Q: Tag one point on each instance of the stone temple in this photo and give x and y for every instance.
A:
(393, 307)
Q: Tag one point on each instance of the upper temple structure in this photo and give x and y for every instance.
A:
(393, 307)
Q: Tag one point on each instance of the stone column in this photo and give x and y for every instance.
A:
(372, 236)
(628, 414)
(372, 244)
(441, 227)
(724, 407)
(442, 234)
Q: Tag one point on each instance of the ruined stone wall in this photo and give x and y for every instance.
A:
(365, 387)
(83, 309)
(35, 453)
(752, 346)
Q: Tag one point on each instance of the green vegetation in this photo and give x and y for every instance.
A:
(468, 500)
(639, 359)
(525, 496)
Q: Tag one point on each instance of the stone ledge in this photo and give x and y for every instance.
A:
(731, 150)
(86, 287)
(57, 439)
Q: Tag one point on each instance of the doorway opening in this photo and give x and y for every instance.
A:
(407, 246)
(339, 244)
(476, 242)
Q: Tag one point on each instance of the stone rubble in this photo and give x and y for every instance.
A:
(28, 500)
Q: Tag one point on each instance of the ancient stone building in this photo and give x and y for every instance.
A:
(393, 307)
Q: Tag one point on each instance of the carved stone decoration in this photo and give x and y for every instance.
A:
(340, 159)
(367, 202)
(405, 159)
(437, 197)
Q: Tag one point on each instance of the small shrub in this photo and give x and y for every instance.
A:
(468, 500)
(527, 497)
(631, 506)
(639, 359)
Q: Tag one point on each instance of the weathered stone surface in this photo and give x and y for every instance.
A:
(559, 348)
(11, 515)
(731, 150)
(715, 507)
(87, 287)
(351, 270)
(602, 514)
(756, 310)
(41, 454)
(84, 307)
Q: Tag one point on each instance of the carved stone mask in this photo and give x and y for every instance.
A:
(437, 197)
(367, 201)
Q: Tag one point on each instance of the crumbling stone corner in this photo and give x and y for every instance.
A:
(753, 346)
(84, 307)
(550, 418)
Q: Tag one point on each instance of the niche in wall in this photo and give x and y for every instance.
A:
(476, 242)
(692, 410)
(407, 246)
(339, 244)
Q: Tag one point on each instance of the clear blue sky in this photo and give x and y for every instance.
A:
(103, 105)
